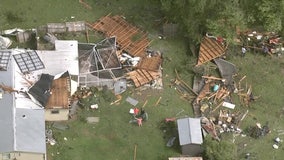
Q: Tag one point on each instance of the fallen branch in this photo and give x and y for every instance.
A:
(85, 4)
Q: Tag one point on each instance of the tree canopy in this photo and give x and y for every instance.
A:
(223, 150)
(221, 18)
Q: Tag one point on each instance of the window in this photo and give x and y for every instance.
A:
(54, 111)
(28, 61)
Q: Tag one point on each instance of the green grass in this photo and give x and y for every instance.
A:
(113, 137)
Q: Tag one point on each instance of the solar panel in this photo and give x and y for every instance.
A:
(4, 60)
(28, 61)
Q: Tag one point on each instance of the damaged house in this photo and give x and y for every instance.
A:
(61, 64)
(142, 67)
(22, 122)
(99, 64)
(53, 92)
(47, 77)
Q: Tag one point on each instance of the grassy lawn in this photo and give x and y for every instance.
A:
(114, 137)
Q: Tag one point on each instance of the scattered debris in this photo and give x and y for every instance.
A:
(209, 127)
(132, 101)
(5, 42)
(258, 130)
(92, 120)
(86, 5)
(49, 137)
(268, 43)
(118, 99)
(158, 101)
(94, 106)
(60, 126)
(120, 86)
(171, 141)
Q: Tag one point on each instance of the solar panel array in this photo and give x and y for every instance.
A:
(4, 60)
(28, 61)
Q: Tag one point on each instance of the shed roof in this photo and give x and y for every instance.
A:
(189, 130)
(209, 49)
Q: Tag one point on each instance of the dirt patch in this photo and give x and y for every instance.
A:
(142, 94)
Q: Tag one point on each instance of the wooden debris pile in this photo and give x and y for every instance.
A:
(143, 66)
(182, 88)
(213, 99)
(266, 43)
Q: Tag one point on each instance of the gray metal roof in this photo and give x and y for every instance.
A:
(30, 130)
(227, 70)
(189, 130)
(22, 129)
(6, 112)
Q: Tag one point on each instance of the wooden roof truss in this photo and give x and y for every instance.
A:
(209, 50)
(130, 38)
(141, 76)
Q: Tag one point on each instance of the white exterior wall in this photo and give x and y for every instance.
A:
(62, 114)
(22, 156)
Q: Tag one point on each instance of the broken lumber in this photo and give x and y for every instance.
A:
(8, 89)
(85, 4)
(243, 117)
(214, 78)
(145, 103)
(179, 80)
(135, 150)
(219, 105)
(158, 101)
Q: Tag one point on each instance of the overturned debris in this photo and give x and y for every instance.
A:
(130, 38)
(210, 49)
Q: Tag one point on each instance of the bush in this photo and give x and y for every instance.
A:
(13, 17)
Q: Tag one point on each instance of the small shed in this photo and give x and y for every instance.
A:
(76, 26)
(190, 136)
(56, 27)
(23, 37)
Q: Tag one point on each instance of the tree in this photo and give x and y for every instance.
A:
(221, 18)
(223, 150)
(200, 16)
(266, 13)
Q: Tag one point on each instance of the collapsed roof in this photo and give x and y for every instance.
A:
(130, 41)
(227, 70)
(130, 38)
(60, 90)
(99, 62)
(41, 89)
(210, 49)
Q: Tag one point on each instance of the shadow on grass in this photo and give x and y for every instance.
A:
(169, 130)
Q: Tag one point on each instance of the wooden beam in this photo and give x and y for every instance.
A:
(158, 101)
